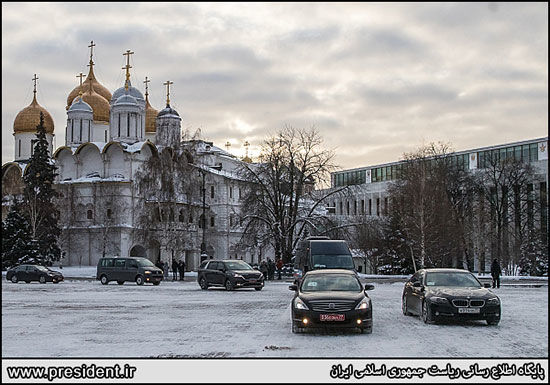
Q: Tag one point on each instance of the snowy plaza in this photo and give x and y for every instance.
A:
(82, 318)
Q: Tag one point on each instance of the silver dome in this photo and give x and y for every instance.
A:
(131, 90)
(80, 106)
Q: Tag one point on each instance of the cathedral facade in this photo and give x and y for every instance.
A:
(129, 184)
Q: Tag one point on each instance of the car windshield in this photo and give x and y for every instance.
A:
(144, 262)
(330, 282)
(237, 265)
(451, 279)
(332, 261)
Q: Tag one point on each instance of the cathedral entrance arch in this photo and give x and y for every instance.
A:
(138, 251)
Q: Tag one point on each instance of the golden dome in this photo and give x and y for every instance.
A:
(150, 116)
(99, 104)
(90, 79)
(29, 117)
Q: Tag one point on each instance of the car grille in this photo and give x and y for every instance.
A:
(331, 305)
(251, 276)
(466, 303)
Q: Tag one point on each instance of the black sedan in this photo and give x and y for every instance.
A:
(449, 294)
(331, 298)
(229, 273)
(30, 273)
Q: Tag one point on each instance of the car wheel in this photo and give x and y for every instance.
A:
(120, 282)
(258, 288)
(426, 313)
(493, 321)
(14, 278)
(367, 330)
(42, 279)
(104, 280)
(228, 285)
(404, 306)
(203, 284)
(139, 280)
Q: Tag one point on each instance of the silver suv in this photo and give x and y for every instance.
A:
(138, 270)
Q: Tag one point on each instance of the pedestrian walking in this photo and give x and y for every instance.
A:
(495, 273)
(263, 269)
(174, 270)
(271, 269)
(165, 270)
(182, 269)
(280, 268)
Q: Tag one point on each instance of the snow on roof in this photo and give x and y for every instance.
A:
(93, 179)
(133, 147)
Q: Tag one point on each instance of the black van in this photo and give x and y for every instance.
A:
(322, 253)
(132, 269)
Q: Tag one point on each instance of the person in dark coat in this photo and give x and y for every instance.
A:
(280, 268)
(263, 269)
(271, 269)
(174, 270)
(495, 273)
(181, 269)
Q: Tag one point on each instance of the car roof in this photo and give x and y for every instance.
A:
(445, 270)
(330, 271)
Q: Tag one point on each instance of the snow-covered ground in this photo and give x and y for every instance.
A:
(82, 318)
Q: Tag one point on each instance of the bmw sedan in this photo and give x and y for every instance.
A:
(331, 298)
(449, 294)
(28, 273)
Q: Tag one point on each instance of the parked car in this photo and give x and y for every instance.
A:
(331, 298)
(132, 269)
(229, 273)
(436, 294)
(30, 273)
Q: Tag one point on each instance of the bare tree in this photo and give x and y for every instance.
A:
(278, 205)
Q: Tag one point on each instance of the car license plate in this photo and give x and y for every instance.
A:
(333, 317)
(252, 281)
(468, 310)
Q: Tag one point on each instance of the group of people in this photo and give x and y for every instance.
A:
(178, 268)
(268, 268)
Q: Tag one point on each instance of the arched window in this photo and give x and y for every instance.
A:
(109, 213)
(181, 218)
(90, 214)
(212, 222)
(211, 191)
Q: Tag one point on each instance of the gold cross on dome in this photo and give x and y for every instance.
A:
(146, 81)
(91, 47)
(80, 76)
(128, 66)
(167, 84)
(35, 79)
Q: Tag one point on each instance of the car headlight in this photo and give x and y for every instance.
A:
(299, 304)
(147, 272)
(493, 301)
(438, 300)
(364, 304)
(238, 276)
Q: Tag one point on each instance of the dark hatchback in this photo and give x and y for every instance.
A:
(449, 294)
(229, 273)
(28, 273)
(331, 298)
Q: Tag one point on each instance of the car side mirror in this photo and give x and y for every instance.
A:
(417, 284)
(359, 268)
(368, 286)
(487, 285)
(293, 288)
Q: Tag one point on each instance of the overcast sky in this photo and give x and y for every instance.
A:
(377, 80)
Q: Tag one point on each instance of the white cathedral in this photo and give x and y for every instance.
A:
(108, 140)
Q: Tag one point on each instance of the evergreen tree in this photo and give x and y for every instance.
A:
(534, 256)
(39, 196)
(16, 236)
